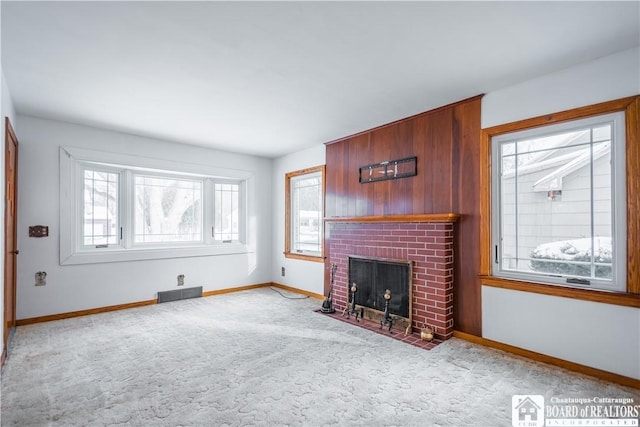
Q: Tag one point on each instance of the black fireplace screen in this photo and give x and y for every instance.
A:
(374, 276)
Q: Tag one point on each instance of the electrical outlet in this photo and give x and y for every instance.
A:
(282, 272)
(41, 278)
(181, 280)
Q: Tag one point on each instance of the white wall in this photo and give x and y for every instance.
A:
(599, 335)
(603, 336)
(79, 287)
(306, 275)
(605, 79)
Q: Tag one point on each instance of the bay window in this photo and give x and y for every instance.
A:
(116, 207)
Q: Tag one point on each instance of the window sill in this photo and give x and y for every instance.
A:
(606, 297)
(304, 257)
(143, 254)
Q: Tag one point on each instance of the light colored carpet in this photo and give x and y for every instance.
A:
(256, 358)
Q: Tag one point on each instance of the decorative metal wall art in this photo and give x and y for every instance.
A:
(390, 169)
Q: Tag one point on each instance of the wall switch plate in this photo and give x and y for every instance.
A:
(38, 230)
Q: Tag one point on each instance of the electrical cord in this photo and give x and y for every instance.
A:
(284, 296)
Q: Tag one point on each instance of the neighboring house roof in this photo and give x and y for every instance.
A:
(534, 153)
(544, 153)
(553, 181)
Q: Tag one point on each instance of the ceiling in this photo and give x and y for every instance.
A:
(270, 78)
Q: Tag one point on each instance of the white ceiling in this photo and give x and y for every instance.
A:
(269, 78)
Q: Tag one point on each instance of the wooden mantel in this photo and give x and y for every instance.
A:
(442, 217)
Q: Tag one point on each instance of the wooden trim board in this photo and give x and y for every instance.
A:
(443, 217)
(97, 310)
(237, 289)
(605, 297)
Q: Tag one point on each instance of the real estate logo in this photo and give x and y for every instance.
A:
(527, 410)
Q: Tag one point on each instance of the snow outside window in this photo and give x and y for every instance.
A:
(559, 203)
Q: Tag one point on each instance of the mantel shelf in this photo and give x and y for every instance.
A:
(441, 217)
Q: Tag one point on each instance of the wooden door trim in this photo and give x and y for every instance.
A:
(10, 137)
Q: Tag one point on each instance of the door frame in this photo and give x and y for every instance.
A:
(10, 253)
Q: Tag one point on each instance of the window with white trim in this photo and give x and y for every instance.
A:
(112, 211)
(559, 205)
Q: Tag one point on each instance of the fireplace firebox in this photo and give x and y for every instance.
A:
(373, 277)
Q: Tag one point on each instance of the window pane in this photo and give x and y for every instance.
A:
(167, 210)
(556, 208)
(509, 214)
(306, 213)
(602, 202)
(100, 208)
(227, 212)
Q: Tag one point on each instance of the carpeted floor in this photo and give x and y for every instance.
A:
(256, 358)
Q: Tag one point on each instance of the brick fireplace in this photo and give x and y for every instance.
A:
(429, 245)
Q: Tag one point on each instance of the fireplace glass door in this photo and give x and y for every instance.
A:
(374, 276)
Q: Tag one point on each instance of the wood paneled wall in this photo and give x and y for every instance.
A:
(446, 142)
